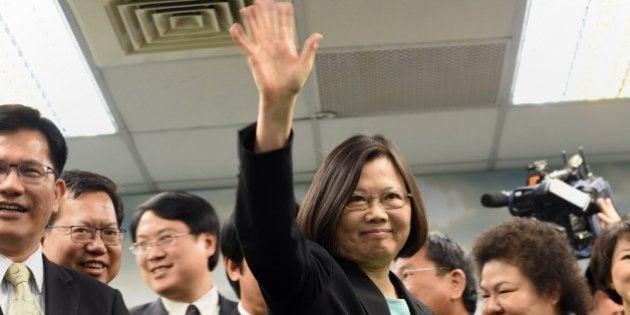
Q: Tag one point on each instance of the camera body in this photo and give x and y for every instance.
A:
(565, 197)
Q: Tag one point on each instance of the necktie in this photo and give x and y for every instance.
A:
(22, 302)
(192, 310)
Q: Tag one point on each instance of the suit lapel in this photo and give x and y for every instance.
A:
(366, 290)
(156, 308)
(62, 297)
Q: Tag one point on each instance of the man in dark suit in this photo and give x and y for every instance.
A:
(85, 233)
(176, 236)
(33, 153)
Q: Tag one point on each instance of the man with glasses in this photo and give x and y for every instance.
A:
(441, 276)
(33, 153)
(85, 233)
(176, 237)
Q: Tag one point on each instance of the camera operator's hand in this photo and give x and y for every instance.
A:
(607, 212)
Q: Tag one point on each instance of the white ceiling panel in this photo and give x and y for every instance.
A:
(434, 137)
(370, 22)
(534, 131)
(185, 94)
(195, 154)
(107, 155)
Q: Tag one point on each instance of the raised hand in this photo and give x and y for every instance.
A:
(607, 213)
(278, 69)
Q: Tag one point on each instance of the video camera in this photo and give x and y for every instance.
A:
(565, 197)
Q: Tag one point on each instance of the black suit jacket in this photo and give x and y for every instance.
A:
(69, 292)
(296, 276)
(226, 307)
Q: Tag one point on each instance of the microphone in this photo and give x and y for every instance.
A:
(495, 200)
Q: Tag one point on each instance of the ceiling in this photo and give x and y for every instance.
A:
(434, 76)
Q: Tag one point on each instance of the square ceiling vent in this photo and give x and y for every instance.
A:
(145, 26)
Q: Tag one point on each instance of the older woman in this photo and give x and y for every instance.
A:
(362, 211)
(610, 262)
(526, 267)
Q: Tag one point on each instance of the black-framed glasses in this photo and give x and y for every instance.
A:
(410, 272)
(388, 201)
(28, 172)
(86, 234)
(161, 242)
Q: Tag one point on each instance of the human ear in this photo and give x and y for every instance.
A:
(458, 283)
(233, 269)
(209, 243)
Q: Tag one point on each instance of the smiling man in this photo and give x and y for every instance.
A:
(176, 237)
(33, 153)
(85, 233)
(441, 276)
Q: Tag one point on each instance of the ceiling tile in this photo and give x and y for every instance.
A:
(105, 155)
(427, 138)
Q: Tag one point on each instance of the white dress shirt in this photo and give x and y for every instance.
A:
(208, 304)
(35, 264)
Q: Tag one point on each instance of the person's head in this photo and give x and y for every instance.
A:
(241, 278)
(610, 263)
(362, 169)
(85, 233)
(441, 276)
(175, 237)
(527, 267)
(601, 303)
(33, 153)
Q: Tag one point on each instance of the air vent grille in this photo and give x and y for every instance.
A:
(168, 25)
(362, 82)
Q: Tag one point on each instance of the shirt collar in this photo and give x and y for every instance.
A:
(241, 309)
(35, 264)
(207, 304)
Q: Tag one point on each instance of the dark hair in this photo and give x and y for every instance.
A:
(542, 254)
(231, 248)
(194, 211)
(79, 182)
(448, 254)
(335, 182)
(16, 117)
(602, 256)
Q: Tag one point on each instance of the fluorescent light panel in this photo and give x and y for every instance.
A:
(574, 50)
(42, 66)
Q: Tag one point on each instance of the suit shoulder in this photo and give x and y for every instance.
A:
(150, 308)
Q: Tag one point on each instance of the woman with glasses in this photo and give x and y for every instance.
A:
(527, 267)
(362, 211)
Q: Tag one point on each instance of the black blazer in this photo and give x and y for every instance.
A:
(296, 276)
(226, 307)
(69, 292)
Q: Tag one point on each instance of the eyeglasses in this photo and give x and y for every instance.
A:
(28, 172)
(389, 201)
(411, 272)
(86, 234)
(161, 242)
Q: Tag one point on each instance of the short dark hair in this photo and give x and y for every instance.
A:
(79, 182)
(16, 117)
(602, 256)
(231, 248)
(194, 211)
(448, 254)
(335, 182)
(542, 254)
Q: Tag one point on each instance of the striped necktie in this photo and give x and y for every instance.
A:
(192, 310)
(22, 302)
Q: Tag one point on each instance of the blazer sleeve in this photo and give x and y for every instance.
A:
(275, 250)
